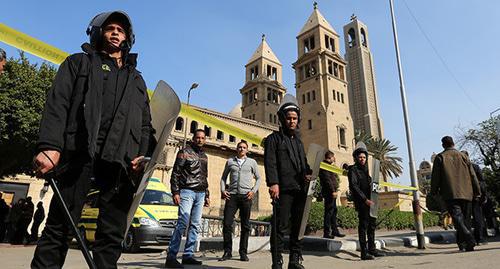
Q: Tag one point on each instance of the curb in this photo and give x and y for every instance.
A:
(331, 245)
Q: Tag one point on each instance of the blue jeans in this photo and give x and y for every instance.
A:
(191, 206)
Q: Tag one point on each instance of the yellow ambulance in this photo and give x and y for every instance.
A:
(153, 224)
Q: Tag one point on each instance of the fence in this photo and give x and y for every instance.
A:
(211, 226)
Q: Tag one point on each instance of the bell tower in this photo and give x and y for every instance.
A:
(263, 89)
(361, 75)
(321, 86)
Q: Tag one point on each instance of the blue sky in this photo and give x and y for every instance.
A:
(209, 42)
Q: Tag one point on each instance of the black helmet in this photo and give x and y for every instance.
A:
(289, 103)
(360, 148)
(94, 30)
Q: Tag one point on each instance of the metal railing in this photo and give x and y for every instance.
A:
(211, 226)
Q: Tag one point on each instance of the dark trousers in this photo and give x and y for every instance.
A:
(478, 223)
(366, 229)
(34, 230)
(3, 230)
(460, 211)
(115, 196)
(330, 216)
(244, 205)
(287, 216)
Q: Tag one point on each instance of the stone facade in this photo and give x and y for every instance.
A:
(321, 86)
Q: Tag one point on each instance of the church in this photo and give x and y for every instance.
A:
(337, 96)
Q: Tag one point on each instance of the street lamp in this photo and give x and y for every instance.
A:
(193, 86)
(417, 212)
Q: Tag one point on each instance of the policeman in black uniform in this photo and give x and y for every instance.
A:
(96, 126)
(287, 172)
(360, 188)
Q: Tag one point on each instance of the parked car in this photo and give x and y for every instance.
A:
(153, 224)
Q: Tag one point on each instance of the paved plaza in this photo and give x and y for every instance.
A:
(437, 255)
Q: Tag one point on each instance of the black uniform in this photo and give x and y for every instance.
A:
(97, 115)
(477, 208)
(286, 165)
(360, 188)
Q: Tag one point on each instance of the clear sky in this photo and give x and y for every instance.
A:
(210, 41)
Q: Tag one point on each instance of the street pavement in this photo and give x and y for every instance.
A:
(437, 255)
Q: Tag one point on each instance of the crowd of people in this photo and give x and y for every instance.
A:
(15, 220)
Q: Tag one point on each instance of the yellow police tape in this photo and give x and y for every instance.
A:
(54, 55)
(218, 124)
(31, 45)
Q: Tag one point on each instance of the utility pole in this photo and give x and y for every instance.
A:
(417, 212)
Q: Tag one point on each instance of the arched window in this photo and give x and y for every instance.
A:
(363, 38)
(352, 38)
(208, 131)
(179, 124)
(194, 127)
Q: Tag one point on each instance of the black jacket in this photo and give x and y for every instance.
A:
(190, 171)
(359, 184)
(281, 168)
(329, 183)
(72, 113)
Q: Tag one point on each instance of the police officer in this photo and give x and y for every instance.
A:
(287, 172)
(360, 188)
(96, 125)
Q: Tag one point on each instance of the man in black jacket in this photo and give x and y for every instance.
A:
(360, 188)
(96, 127)
(287, 172)
(329, 190)
(189, 186)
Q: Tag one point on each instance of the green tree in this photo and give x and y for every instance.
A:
(383, 150)
(22, 95)
(482, 143)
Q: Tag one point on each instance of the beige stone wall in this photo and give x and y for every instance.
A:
(34, 187)
(388, 200)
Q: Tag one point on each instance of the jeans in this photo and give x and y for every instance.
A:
(237, 201)
(190, 211)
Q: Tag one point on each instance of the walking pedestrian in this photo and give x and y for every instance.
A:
(453, 178)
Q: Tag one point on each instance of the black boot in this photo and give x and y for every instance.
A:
(227, 256)
(376, 253)
(295, 261)
(365, 256)
(277, 262)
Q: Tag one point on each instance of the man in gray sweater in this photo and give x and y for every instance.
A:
(238, 194)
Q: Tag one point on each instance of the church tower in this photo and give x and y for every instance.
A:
(361, 76)
(321, 86)
(263, 88)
